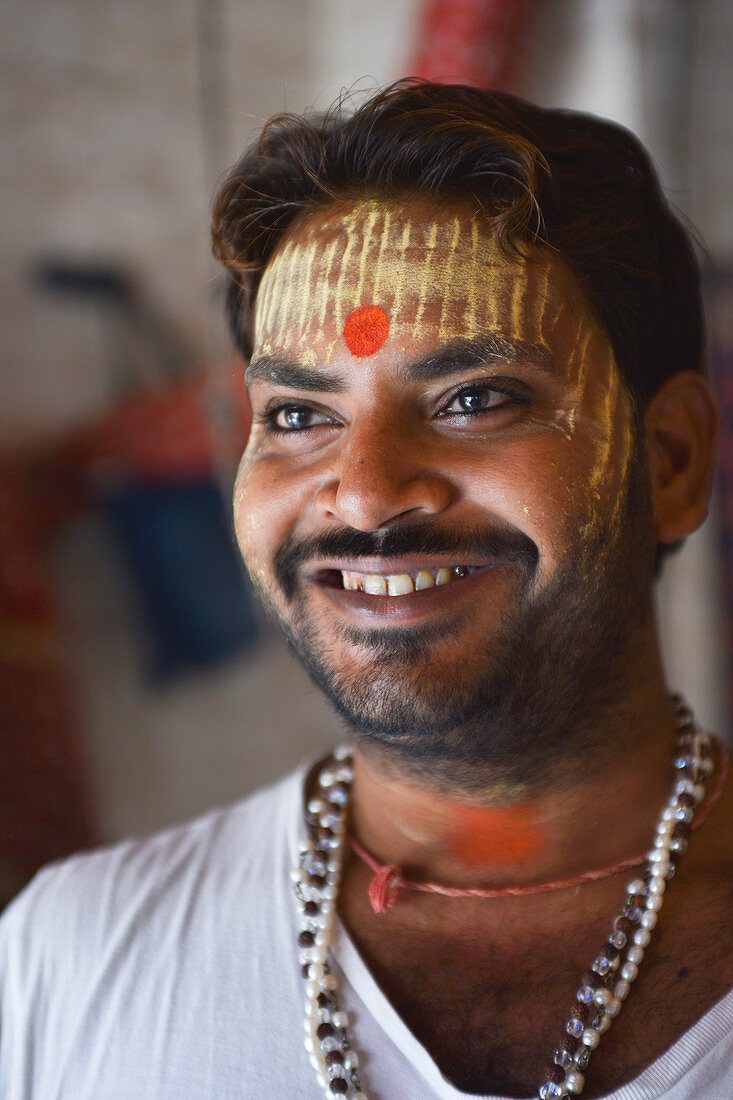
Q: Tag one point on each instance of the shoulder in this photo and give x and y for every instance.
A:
(141, 884)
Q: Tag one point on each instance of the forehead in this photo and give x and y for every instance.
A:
(434, 275)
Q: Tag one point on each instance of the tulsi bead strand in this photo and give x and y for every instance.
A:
(602, 989)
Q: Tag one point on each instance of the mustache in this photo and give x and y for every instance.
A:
(496, 543)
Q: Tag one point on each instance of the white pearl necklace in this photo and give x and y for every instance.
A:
(603, 988)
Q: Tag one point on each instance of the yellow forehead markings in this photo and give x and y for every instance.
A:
(338, 293)
(430, 243)
(291, 258)
(306, 306)
(376, 254)
(325, 282)
(384, 239)
(543, 293)
(449, 278)
(473, 256)
(403, 245)
(366, 242)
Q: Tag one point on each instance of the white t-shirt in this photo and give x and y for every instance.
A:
(166, 969)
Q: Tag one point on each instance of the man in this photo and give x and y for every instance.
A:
(480, 420)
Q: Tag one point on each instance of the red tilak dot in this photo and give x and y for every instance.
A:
(366, 330)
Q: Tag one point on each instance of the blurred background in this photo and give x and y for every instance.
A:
(138, 683)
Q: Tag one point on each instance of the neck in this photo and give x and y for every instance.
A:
(509, 835)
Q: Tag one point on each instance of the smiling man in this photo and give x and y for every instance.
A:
(474, 342)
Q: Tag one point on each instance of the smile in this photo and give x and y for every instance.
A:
(403, 584)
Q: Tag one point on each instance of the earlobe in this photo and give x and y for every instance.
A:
(681, 431)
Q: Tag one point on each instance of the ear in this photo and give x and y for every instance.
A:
(681, 431)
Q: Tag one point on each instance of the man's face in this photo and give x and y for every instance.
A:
(435, 497)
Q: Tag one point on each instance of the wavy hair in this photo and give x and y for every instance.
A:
(578, 185)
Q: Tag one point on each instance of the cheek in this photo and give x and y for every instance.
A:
(266, 506)
(533, 485)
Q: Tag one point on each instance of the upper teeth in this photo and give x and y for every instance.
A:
(400, 584)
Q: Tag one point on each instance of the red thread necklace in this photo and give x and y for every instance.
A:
(388, 880)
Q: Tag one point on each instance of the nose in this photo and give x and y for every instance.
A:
(383, 473)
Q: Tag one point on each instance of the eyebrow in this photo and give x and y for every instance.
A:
(456, 357)
(280, 371)
(446, 361)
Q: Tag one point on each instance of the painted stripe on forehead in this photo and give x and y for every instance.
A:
(376, 255)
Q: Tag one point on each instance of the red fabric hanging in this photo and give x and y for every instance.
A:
(471, 41)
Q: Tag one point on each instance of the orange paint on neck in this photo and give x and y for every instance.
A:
(497, 837)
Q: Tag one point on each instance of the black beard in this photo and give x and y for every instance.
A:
(533, 702)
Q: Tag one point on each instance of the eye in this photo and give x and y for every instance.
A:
(479, 398)
(294, 418)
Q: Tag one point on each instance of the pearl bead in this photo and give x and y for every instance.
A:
(657, 885)
(340, 1019)
(603, 1025)
(654, 902)
(602, 996)
(635, 954)
(309, 1044)
(642, 936)
(613, 1007)
(575, 1081)
(351, 1059)
(590, 1038)
(621, 989)
(629, 971)
(636, 886)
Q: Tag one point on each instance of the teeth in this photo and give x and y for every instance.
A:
(375, 585)
(401, 584)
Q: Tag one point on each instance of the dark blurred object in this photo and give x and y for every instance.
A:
(476, 42)
(178, 545)
(140, 347)
(156, 460)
